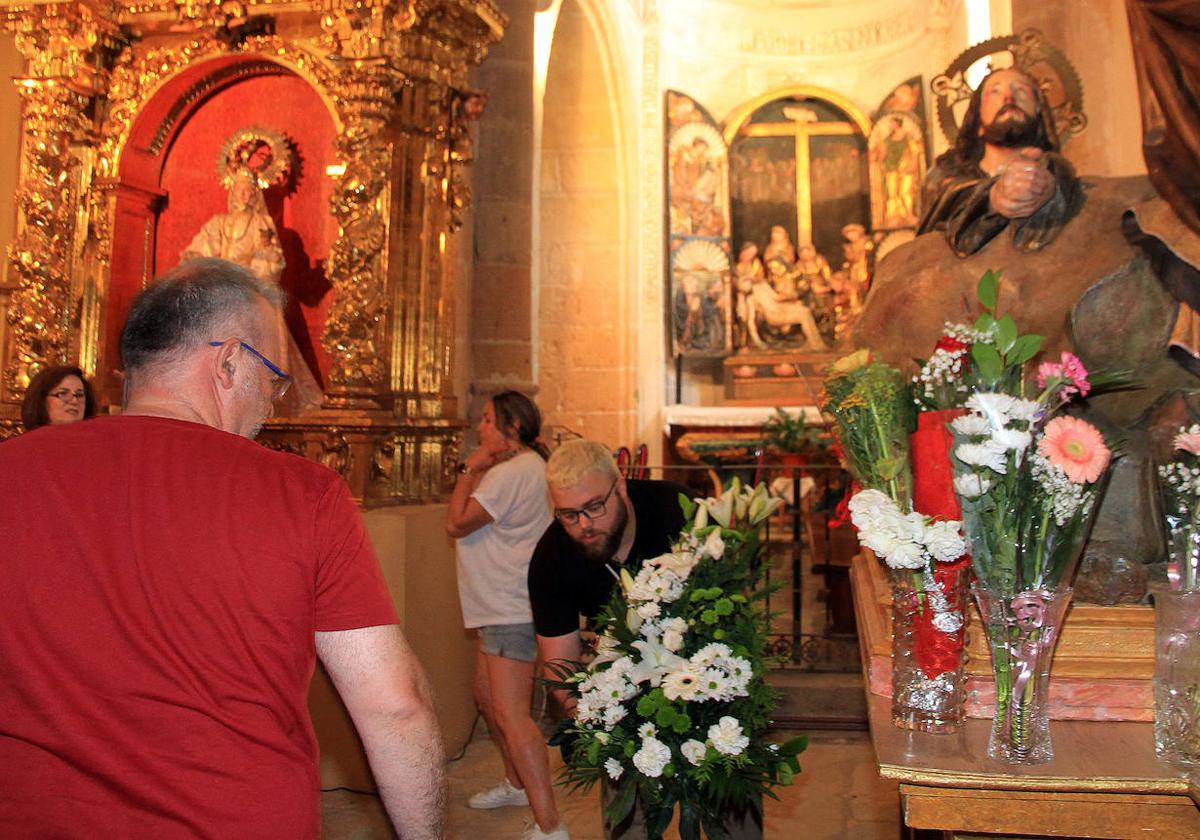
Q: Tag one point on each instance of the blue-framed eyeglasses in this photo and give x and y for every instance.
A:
(280, 381)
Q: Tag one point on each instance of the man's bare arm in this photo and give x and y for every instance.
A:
(568, 647)
(385, 691)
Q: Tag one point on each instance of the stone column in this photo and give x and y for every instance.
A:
(502, 328)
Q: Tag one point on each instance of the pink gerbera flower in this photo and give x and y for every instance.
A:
(1076, 447)
(1188, 442)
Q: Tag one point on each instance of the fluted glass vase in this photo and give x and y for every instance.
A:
(928, 628)
(1022, 632)
(1177, 675)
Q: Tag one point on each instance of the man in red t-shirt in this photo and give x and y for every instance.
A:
(167, 584)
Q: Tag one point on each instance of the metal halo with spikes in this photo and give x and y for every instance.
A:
(240, 146)
(1031, 54)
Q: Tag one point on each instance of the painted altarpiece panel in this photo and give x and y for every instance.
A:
(814, 187)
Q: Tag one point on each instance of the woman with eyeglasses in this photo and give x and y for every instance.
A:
(498, 512)
(57, 395)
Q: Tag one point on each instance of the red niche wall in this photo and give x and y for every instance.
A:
(189, 192)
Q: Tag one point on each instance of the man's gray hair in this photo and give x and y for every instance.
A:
(185, 307)
(576, 458)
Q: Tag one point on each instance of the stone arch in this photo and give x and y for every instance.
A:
(586, 288)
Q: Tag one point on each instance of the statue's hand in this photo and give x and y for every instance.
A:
(1023, 187)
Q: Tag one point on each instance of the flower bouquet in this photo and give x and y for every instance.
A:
(673, 708)
(1177, 607)
(1028, 481)
(873, 408)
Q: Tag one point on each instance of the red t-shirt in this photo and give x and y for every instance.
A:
(160, 584)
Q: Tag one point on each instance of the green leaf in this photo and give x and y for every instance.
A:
(989, 288)
(689, 507)
(665, 717)
(630, 749)
(1006, 334)
(1026, 347)
(620, 806)
(889, 468)
(593, 753)
(648, 704)
(985, 323)
(987, 361)
(794, 746)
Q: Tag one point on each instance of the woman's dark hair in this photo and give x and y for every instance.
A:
(513, 408)
(33, 408)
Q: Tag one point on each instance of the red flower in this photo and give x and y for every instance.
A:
(951, 345)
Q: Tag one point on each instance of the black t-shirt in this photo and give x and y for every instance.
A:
(564, 584)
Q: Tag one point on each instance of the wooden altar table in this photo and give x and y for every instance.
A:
(1104, 781)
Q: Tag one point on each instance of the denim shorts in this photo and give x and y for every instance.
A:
(512, 641)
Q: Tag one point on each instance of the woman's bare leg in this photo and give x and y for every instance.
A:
(510, 683)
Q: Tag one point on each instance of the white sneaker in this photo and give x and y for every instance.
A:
(501, 796)
(535, 833)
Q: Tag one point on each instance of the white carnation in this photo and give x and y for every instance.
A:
(693, 750)
(944, 542)
(726, 736)
(653, 757)
(906, 555)
(870, 508)
(614, 768)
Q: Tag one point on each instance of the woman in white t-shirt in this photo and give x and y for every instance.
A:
(498, 512)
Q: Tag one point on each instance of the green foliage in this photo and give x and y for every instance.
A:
(872, 406)
(791, 433)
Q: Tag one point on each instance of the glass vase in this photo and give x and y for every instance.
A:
(928, 630)
(1177, 675)
(1022, 631)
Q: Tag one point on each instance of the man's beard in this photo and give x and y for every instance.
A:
(1012, 133)
(606, 548)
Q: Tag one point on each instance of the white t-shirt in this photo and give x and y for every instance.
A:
(493, 562)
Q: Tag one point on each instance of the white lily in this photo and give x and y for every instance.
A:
(701, 517)
(721, 509)
(655, 662)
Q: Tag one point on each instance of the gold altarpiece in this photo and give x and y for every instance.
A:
(392, 74)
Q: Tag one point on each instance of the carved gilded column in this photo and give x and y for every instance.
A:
(363, 38)
(64, 46)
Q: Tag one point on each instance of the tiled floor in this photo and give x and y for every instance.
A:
(838, 795)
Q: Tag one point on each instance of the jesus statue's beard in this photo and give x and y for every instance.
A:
(1016, 132)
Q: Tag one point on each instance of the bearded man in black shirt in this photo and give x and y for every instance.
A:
(603, 522)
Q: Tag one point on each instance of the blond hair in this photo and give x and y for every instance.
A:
(576, 458)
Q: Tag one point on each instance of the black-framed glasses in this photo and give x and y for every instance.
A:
(591, 511)
(66, 395)
(280, 379)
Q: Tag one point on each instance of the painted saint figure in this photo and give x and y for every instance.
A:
(246, 235)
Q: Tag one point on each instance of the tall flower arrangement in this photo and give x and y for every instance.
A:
(1028, 479)
(672, 710)
(873, 408)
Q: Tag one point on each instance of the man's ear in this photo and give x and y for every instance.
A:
(225, 364)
